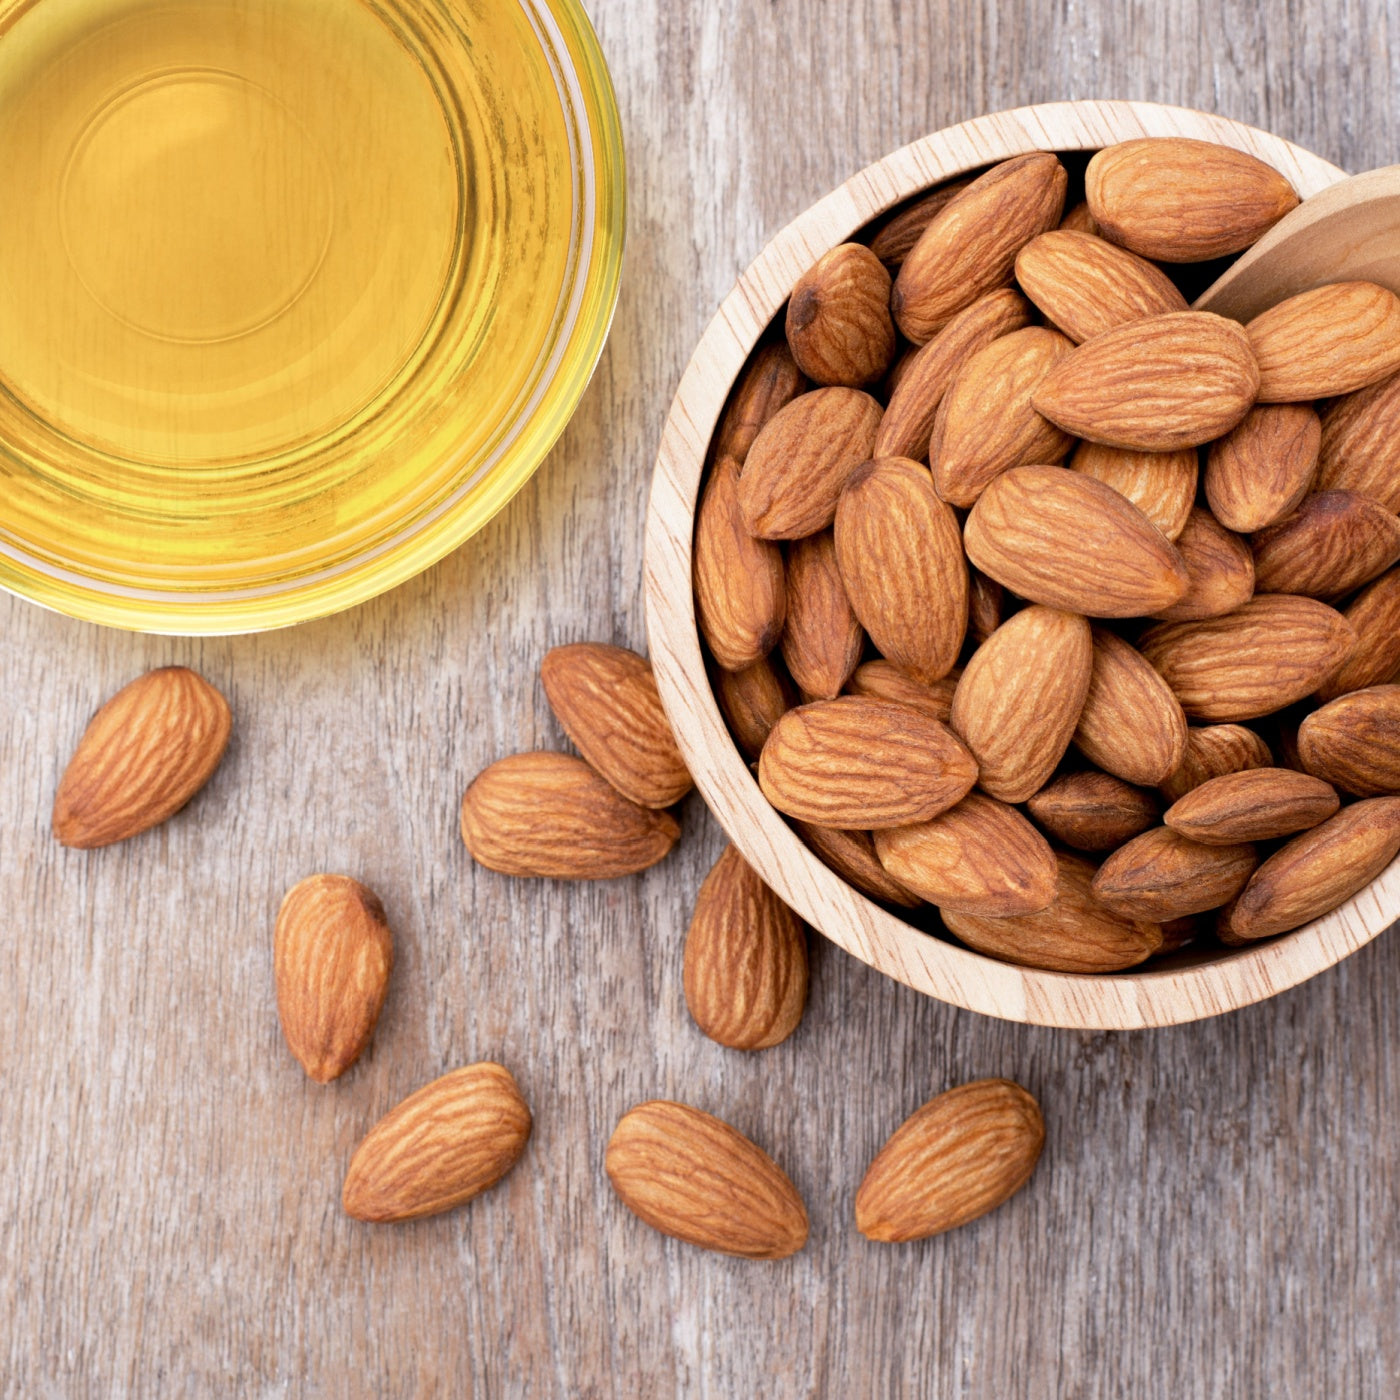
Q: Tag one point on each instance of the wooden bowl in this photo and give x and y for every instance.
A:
(1188, 987)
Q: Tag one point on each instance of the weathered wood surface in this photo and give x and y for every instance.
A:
(1216, 1211)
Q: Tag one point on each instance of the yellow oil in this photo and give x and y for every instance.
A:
(271, 273)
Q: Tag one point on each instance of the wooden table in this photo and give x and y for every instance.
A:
(1216, 1212)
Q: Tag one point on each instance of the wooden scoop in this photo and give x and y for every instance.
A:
(1349, 232)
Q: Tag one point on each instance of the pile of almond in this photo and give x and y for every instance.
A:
(1041, 599)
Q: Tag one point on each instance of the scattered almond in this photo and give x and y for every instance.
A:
(902, 230)
(1374, 615)
(1093, 811)
(1219, 565)
(1163, 875)
(1360, 449)
(769, 382)
(1354, 741)
(1162, 485)
(822, 639)
(1262, 470)
(1258, 804)
(752, 701)
(1334, 542)
(1213, 750)
(851, 854)
(838, 318)
(890, 682)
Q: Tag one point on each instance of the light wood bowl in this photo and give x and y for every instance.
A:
(1188, 987)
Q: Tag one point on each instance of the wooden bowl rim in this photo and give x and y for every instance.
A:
(948, 971)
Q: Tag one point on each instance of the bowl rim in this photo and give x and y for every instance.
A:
(945, 970)
(587, 306)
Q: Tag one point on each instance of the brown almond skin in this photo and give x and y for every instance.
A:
(1094, 811)
(822, 639)
(740, 592)
(332, 956)
(452, 1140)
(751, 701)
(1374, 615)
(969, 247)
(551, 815)
(838, 318)
(607, 701)
(1162, 875)
(1331, 340)
(1075, 934)
(1162, 485)
(1178, 200)
(770, 381)
(1258, 804)
(919, 389)
(1354, 741)
(898, 234)
(142, 757)
(1020, 697)
(1220, 566)
(1360, 448)
(1157, 385)
(1086, 285)
(1131, 724)
(1213, 750)
(1080, 219)
(851, 854)
(745, 971)
(1260, 658)
(987, 606)
(863, 763)
(986, 424)
(900, 553)
(980, 857)
(958, 1157)
(890, 682)
(800, 460)
(1334, 542)
(1316, 872)
(1068, 541)
(693, 1177)
(1262, 470)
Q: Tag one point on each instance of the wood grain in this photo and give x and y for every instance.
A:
(1215, 1212)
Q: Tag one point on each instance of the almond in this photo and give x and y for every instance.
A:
(1063, 539)
(751, 701)
(851, 854)
(1334, 542)
(960, 1156)
(1331, 340)
(1080, 219)
(740, 597)
(745, 959)
(863, 763)
(1214, 750)
(838, 318)
(1178, 933)
(1317, 871)
(1086, 285)
(1258, 804)
(986, 424)
(987, 606)
(142, 757)
(1361, 443)
(606, 699)
(902, 230)
(1157, 385)
(1162, 875)
(1178, 200)
(1374, 615)
(900, 552)
(693, 1177)
(770, 381)
(822, 641)
(1075, 934)
(1019, 699)
(1274, 650)
(889, 682)
(980, 857)
(332, 956)
(1094, 811)
(452, 1140)
(1131, 724)
(800, 460)
(1220, 566)
(922, 383)
(1260, 472)
(969, 247)
(1162, 485)
(1354, 741)
(551, 815)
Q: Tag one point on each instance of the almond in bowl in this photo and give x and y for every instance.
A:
(1057, 551)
